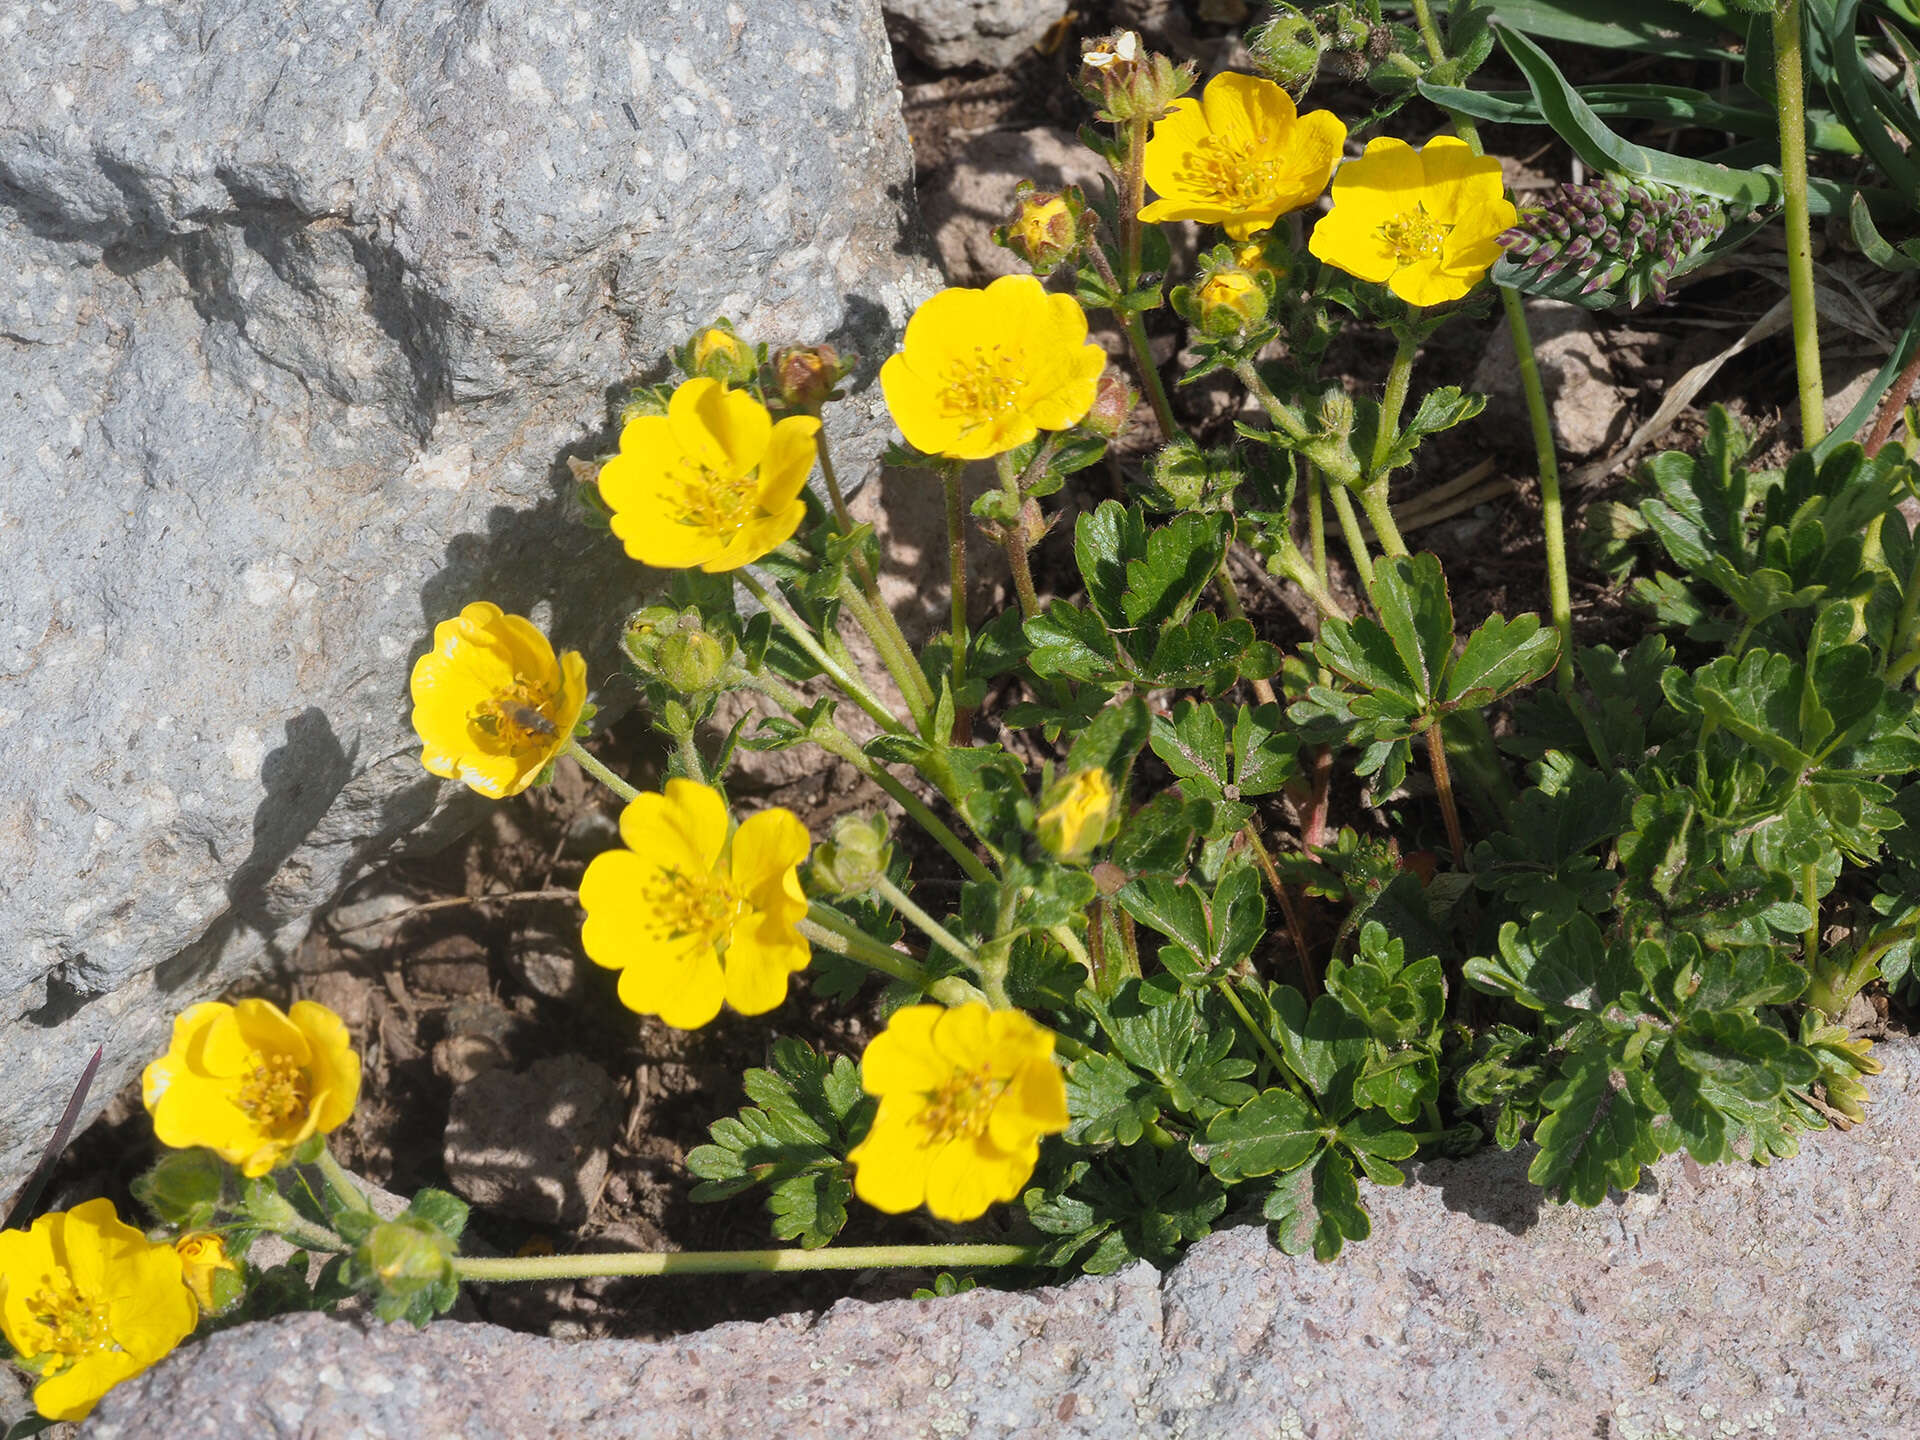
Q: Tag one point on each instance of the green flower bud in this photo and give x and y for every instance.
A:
(1076, 814)
(1126, 81)
(855, 855)
(403, 1262)
(1286, 48)
(672, 646)
(1336, 413)
(184, 1188)
(1230, 301)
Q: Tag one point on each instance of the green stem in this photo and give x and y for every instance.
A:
(689, 752)
(1225, 987)
(742, 1262)
(1373, 499)
(1429, 32)
(1546, 457)
(935, 931)
(1133, 187)
(1906, 626)
(842, 516)
(1230, 602)
(838, 744)
(1350, 527)
(1150, 377)
(1316, 526)
(1295, 928)
(894, 652)
(1790, 99)
(829, 928)
(1068, 941)
(804, 637)
(600, 772)
(345, 1189)
(1399, 376)
(957, 578)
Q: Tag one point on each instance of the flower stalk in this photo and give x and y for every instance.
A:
(489, 1270)
(1790, 99)
(599, 771)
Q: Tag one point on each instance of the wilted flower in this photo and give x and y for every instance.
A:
(86, 1302)
(691, 917)
(714, 482)
(492, 705)
(965, 1095)
(982, 371)
(1425, 223)
(250, 1082)
(1075, 814)
(804, 376)
(1240, 156)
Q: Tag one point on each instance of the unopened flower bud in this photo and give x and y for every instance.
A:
(1266, 259)
(1113, 402)
(648, 400)
(1075, 814)
(1336, 413)
(1179, 472)
(719, 354)
(1230, 301)
(1286, 48)
(855, 855)
(804, 377)
(210, 1272)
(183, 1188)
(692, 661)
(402, 1260)
(1045, 229)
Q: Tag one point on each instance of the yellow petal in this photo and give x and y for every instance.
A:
(966, 1177)
(334, 1068)
(890, 1168)
(902, 1058)
(791, 451)
(685, 993)
(758, 961)
(1350, 239)
(1457, 180)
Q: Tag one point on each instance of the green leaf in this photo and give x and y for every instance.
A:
(1107, 1102)
(1205, 653)
(1193, 743)
(1112, 740)
(810, 1207)
(1566, 970)
(1736, 1050)
(1317, 1208)
(1501, 656)
(1266, 751)
(1178, 561)
(1274, 1131)
(1597, 1133)
(1142, 1203)
(1376, 1140)
(1158, 835)
(1324, 1045)
(1410, 595)
(1071, 643)
(1400, 1004)
(445, 1212)
(1104, 540)
(1185, 1043)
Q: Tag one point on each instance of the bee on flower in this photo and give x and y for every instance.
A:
(492, 704)
(694, 913)
(86, 1301)
(965, 1096)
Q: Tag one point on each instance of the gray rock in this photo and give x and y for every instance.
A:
(534, 1145)
(1588, 405)
(1721, 1302)
(953, 34)
(308, 304)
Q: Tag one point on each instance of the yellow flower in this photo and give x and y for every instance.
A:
(1425, 223)
(491, 704)
(983, 371)
(1078, 810)
(965, 1095)
(251, 1083)
(1240, 156)
(87, 1302)
(714, 482)
(210, 1272)
(691, 918)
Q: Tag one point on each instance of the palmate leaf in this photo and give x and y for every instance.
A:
(1410, 595)
(1317, 1208)
(1597, 1132)
(1072, 644)
(1108, 1102)
(1499, 657)
(1142, 1203)
(1566, 970)
(1276, 1131)
(1185, 1041)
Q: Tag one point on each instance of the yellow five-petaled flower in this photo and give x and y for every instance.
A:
(1425, 223)
(492, 704)
(714, 482)
(250, 1082)
(965, 1095)
(692, 917)
(983, 371)
(86, 1302)
(1240, 156)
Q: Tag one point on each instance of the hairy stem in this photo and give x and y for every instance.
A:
(957, 598)
(1790, 97)
(600, 772)
(1350, 528)
(1443, 788)
(803, 636)
(935, 931)
(741, 1262)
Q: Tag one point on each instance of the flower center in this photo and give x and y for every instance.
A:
(1229, 174)
(1413, 235)
(981, 385)
(274, 1094)
(70, 1325)
(717, 504)
(521, 717)
(960, 1109)
(698, 908)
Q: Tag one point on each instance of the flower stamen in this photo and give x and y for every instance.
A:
(70, 1325)
(717, 503)
(1413, 235)
(984, 383)
(274, 1094)
(961, 1108)
(701, 908)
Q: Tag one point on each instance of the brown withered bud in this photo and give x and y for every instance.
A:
(1113, 402)
(804, 377)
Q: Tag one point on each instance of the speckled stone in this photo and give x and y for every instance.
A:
(307, 303)
(955, 34)
(1725, 1302)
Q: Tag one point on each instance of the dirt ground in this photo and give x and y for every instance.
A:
(470, 960)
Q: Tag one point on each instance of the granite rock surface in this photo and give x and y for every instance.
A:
(308, 303)
(1718, 1302)
(956, 34)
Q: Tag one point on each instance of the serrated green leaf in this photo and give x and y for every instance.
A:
(810, 1207)
(1596, 1133)
(1737, 1051)
(1071, 643)
(1409, 594)
(1107, 1102)
(1501, 656)
(1274, 1131)
(1266, 750)
(1317, 1208)
(1175, 565)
